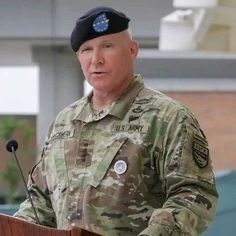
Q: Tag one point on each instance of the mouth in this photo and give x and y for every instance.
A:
(98, 73)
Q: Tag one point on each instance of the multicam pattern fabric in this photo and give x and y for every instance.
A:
(163, 183)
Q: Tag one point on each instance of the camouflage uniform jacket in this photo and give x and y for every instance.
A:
(140, 168)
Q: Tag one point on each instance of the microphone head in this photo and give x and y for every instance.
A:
(11, 145)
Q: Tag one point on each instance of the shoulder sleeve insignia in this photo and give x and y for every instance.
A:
(200, 154)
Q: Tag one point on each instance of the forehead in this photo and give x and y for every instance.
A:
(109, 37)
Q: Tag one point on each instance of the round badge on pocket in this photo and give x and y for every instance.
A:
(120, 167)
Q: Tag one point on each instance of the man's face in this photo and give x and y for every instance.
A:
(107, 61)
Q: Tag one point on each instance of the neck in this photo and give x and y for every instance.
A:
(101, 100)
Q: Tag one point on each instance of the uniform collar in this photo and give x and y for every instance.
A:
(118, 109)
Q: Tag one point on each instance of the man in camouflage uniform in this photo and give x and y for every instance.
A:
(124, 160)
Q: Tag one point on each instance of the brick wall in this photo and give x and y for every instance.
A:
(216, 113)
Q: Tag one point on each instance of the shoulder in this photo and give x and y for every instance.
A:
(165, 106)
(71, 111)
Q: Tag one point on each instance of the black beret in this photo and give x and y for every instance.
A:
(97, 22)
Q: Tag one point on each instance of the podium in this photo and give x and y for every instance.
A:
(11, 226)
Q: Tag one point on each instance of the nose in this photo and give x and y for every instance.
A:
(97, 58)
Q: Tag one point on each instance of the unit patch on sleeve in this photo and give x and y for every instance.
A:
(200, 154)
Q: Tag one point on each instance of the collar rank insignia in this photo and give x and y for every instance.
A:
(101, 23)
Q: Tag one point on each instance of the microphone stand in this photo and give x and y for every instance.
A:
(28, 193)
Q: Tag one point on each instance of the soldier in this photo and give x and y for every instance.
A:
(124, 160)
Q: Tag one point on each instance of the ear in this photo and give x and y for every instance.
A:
(134, 47)
(78, 58)
(77, 55)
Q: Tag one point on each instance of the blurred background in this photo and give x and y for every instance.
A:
(187, 50)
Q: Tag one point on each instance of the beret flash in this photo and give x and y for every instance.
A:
(97, 22)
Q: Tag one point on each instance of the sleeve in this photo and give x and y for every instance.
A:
(188, 181)
(37, 186)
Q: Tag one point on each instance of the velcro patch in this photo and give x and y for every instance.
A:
(130, 128)
(200, 154)
(63, 134)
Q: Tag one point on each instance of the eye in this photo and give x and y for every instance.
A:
(108, 45)
(85, 49)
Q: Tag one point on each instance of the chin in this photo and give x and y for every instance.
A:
(103, 87)
(100, 84)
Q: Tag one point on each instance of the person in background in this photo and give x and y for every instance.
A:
(125, 159)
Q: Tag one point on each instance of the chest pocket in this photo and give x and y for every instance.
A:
(124, 174)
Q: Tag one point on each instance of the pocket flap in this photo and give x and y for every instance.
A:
(106, 161)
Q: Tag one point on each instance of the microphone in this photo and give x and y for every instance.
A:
(12, 146)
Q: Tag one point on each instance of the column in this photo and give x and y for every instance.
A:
(60, 84)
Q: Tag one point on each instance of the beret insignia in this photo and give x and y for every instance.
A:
(101, 23)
